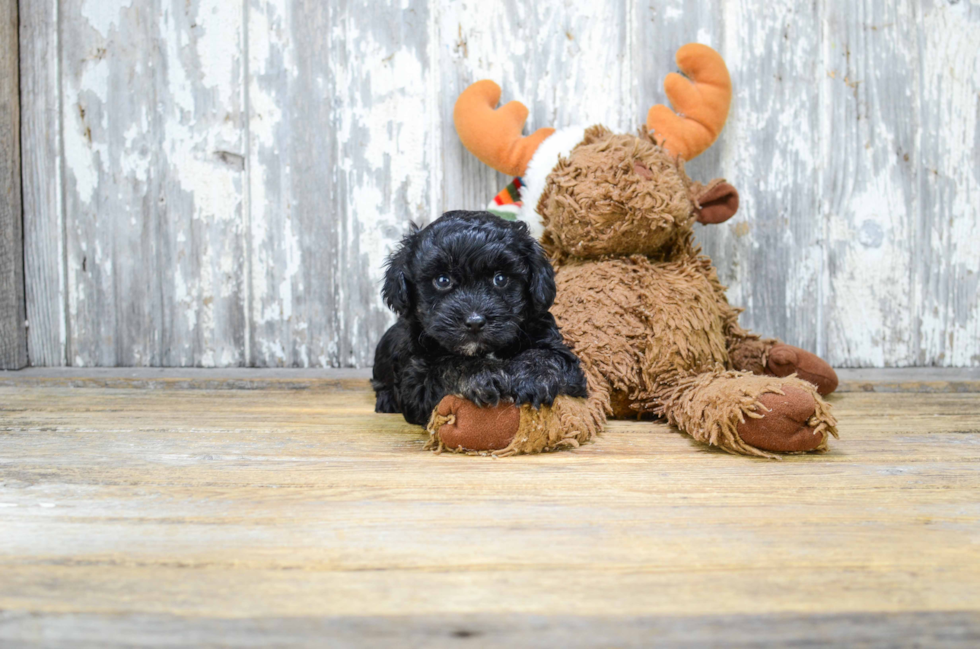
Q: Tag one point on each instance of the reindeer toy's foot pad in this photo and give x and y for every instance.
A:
(785, 360)
(459, 425)
(788, 423)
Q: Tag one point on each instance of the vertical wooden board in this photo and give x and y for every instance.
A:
(13, 335)
(154, 165)
(473, 41)
(770, 253)
(659, 30)
(569, 63)
(340, 163)
(868, 180)
(292, 96)
(44, 234)
(947, 237)
(770, 151)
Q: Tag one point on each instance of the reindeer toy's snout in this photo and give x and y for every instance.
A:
(637, 301)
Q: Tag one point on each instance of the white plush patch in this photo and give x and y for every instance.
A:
(559, 145)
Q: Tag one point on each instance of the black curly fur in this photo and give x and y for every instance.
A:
(517, 356)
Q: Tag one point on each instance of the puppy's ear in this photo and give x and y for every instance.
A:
(541, 282)
(397, 288)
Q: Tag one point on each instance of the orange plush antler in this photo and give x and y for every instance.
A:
(494, 136)
(701, 98)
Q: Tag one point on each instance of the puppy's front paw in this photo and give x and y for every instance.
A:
(535, 393)
(486, 388)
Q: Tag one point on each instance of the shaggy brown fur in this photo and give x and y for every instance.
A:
(639, 304)
(624, 217)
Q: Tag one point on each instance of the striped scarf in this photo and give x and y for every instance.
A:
(507, 204)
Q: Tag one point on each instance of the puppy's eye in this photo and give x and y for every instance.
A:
(500, 280)
(443, 282)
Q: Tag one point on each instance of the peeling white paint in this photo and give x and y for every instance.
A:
(872, 288)
(103, 15)
(391, 151)
(268, 25)
(84, 156)
(950, 161)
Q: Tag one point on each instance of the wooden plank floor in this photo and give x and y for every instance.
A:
(265, 516)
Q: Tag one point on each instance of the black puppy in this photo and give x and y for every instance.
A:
(472, 292)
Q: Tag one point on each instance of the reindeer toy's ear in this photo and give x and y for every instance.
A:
(715, 202)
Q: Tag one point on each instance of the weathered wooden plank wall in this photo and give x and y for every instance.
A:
(218, 183)
(13, 334)
(44, 231)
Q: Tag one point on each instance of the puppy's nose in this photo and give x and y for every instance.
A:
(475, 322)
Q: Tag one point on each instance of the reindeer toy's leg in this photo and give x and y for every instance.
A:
(770, 401)
(749, 414)
(459, 425)
(771, 357)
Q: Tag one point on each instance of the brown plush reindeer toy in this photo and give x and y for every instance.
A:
(637, 301)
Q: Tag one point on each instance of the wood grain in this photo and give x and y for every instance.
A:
(775, 252)
(245, 219)
(154, 140)
(908, 380)
(869, 198)
(340, 155)
(13, 333)
(946, 629)
(128, 508)
(946, 264)
(43, 190)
